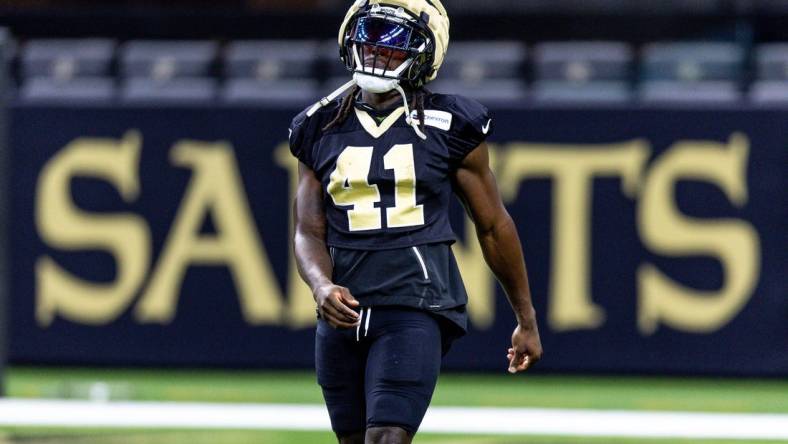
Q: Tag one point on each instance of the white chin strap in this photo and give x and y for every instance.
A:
(374, 84)
(327, 99)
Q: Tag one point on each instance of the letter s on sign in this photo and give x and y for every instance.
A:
(62, 225)
(665, 230)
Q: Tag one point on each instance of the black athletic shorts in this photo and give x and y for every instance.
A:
(382, 373)
(421, 276)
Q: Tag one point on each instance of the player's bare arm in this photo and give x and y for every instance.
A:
(502, 251)
(334, 303)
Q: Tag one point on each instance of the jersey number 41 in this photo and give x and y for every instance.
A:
(349, 186)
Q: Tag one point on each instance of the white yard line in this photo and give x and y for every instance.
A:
(509, 421)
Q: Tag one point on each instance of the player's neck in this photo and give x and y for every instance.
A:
(381, 101)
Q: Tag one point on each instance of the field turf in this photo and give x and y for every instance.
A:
(534, 390)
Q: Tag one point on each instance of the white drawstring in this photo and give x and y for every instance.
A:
(358, 327)
(365, 322)
(408, 119)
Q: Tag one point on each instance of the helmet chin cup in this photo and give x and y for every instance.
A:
(374, 84)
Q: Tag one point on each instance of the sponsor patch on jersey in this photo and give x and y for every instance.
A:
(433, 117)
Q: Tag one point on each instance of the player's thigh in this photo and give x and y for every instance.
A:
(340, 362)
(402, 368)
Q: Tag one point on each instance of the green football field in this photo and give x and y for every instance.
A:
(533, 390)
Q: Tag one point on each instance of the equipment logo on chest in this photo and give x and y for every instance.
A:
(433, 117)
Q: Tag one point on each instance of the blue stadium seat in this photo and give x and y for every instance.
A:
(689, 93)
(329, 59)
(80, 91)
(193, 90)
(163, 60)
(490, 72)
(582, 61)
(11, 49)
(474, 61)
(601, 92)
(692, 61)
(271, 59)
(489, 93)
(771, 61)
(65, 59)
(284, 92)
(765, 92)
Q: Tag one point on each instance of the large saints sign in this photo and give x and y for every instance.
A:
(150, 285)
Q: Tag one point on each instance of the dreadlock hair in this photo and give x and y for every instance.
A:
(344, 108)
(416, 102)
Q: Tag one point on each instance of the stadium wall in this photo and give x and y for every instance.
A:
(4, 207)
(655, 239)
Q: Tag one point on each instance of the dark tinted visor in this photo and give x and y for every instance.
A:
(379, 31)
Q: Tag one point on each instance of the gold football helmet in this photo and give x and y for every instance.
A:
(415, 30)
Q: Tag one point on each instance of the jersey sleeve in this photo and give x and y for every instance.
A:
(300, 140)
(471, 124)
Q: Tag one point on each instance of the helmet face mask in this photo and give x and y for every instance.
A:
(389, 43)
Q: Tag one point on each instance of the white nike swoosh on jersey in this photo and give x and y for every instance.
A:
(486, 127)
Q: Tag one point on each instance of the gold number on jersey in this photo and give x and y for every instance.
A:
(405, 212)
(349, 186)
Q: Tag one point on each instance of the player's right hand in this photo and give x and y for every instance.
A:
(335, 304)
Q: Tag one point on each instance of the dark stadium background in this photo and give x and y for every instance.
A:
(709, 119)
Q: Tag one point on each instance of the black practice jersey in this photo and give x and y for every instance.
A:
(384, 187)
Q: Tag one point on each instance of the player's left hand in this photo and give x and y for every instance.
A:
(526, 348)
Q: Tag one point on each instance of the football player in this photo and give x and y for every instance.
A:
(378, 168)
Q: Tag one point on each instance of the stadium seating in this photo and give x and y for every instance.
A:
(474, 62)
(270, 72)
(580, 62)
(328, 59)
(681, 73)
(164, 60)
(692, 61)
(582, 72)
(297, 72)
(504, 91)
(598, 93)
(770, 86)
(65, 59)
(688, 93)
(168, 71)
(270, 60)
(771, 61)
(486, 71)
(193, 90)
(67, 70)
(245, 91)
(81, 90)
(769, 92)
